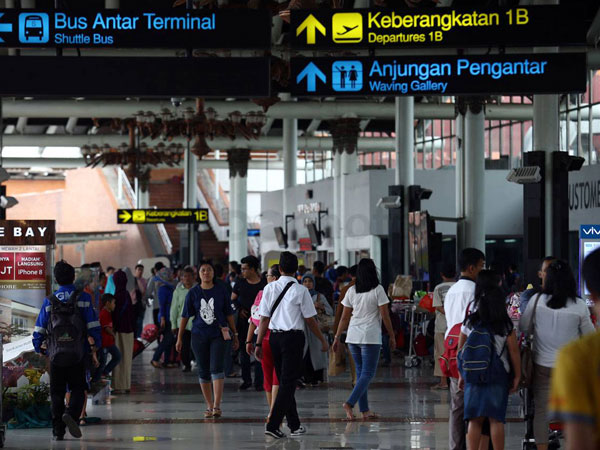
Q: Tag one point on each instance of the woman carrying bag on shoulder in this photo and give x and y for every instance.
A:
(556, 316)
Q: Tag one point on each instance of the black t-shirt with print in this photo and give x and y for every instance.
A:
(246, 293)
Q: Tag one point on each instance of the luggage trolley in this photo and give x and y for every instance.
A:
(415, 317)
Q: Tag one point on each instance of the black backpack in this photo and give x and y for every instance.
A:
(67, 332)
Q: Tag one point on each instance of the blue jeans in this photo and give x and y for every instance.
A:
(115, 358)
(387, 355)
(209, 353)
(365, 358)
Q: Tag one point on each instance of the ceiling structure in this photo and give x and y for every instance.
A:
(38, 132)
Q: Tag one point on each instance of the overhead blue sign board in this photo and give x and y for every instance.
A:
(440, 75)
(136, 29)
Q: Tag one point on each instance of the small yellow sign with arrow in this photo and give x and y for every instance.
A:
(311, 25)
(124, 215)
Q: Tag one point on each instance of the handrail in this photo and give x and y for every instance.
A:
(215, 202)
(123, 185)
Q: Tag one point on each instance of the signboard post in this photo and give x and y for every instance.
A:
(523, 26)
(206, 28)
(154, 216)
(512, 74)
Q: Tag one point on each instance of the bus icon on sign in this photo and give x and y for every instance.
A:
(34, 28)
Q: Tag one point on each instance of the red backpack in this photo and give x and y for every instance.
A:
(448, 362)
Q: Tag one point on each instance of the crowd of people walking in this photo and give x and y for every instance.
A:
(288, 317)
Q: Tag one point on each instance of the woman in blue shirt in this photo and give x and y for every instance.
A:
(210, 306)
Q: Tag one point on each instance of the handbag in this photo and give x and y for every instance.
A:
(527, 352)
(337, 361)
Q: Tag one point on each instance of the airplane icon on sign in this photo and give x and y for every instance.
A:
(348, 30)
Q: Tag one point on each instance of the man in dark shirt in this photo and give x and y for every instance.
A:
(322, 285)
(245, 291)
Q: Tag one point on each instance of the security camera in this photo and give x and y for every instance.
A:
(525, 175)
(177, 101)
(390, 202)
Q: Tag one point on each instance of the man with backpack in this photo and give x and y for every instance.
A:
(456, 304)
(61, 332)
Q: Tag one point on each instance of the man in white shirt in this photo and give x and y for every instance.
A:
(457, 301)
(286, 322)
(448, 274)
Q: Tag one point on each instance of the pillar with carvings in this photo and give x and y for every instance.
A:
(238, 203)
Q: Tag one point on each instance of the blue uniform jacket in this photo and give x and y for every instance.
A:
(85, 308)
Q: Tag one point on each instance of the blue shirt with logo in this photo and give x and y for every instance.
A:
(209, 308)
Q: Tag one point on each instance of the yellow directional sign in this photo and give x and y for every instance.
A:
(311, 25)
(181, 215)
(124, 216)
(347, 28)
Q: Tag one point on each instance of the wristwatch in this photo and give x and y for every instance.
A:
(249, 343)
(258, 344)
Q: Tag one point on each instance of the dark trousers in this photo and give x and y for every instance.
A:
(155, 317)
(245, 359)
(166, 346)
(186, 349)
(103, 368)
(74, 376)
(287, 349)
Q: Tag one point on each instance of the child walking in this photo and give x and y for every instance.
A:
(487, 386)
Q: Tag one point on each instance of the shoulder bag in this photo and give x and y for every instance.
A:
(278, 301)
(527, 351)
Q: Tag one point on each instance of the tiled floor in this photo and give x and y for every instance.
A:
(165, 410)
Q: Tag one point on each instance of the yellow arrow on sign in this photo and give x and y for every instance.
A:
(125, 216)
(311, 25)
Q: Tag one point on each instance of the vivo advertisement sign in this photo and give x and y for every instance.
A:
(589, 241)
(440, 75)
(139, 29)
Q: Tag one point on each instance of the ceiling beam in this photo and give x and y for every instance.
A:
(282, 110)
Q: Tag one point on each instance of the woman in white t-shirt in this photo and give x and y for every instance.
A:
(365, 305)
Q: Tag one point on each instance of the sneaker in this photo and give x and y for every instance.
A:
(299, 432)
(245, 386)
(71, 425)
(277, 434)
(60, 437)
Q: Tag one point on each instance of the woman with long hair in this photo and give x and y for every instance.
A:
(488, 401)
(365, 306)
(210, 306)
(558, 317)
(270, 381)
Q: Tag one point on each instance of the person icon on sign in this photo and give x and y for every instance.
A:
(343, 73)
(353, 76)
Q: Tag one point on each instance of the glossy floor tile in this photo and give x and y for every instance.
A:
(165, 411)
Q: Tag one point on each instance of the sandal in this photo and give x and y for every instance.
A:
(439, 387)
(216, 412)
(371, 416)
(156, 364)
(208, 413)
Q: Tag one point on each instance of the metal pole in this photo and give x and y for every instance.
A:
(474, 187)
(405, 166)
(190, 199)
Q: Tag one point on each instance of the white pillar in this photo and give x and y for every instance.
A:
(238, 218)
(337, 204)
(349, 165)
(290, 157)
(546, 129)
(405, 163)
(475, 177)
(238, 203)
(190, 200)
(460, 182)
(375, 252)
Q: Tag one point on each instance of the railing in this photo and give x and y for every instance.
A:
(124, 187)
(214, 197)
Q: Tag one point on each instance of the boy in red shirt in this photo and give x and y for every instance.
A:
(108, 336)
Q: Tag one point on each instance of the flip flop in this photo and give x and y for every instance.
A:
(371, 416)
(208, 414)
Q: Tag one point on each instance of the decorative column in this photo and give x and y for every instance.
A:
(344, 133)
(473, 109)
(190, 200)
(238, 203)
(290, 158)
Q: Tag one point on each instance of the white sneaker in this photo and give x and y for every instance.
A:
(299, 432)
